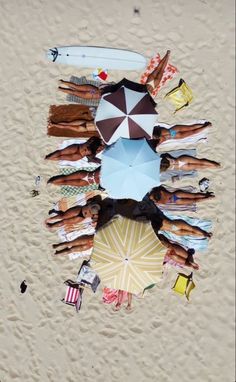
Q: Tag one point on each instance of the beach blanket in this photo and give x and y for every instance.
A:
(169, 73)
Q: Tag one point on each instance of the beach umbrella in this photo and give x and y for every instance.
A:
(127, 255)
(130, 168)
(127, 111)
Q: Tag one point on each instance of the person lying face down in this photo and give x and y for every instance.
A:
(75, 152)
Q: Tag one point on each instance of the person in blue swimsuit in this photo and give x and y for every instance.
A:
(160, 195)
(161, 134)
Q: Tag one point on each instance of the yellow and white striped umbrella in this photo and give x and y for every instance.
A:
(127, 255)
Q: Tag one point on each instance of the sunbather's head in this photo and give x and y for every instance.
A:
(95, 145)
(165, 164)
(91, 210)
(84, 150)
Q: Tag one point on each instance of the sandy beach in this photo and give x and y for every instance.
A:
(165, 338)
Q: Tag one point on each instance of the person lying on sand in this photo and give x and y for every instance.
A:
(178, 253)
(75, 152)
(80, 244)
(161, 134)
(83, 178)
(160, 195)
(145, 211)
(154, 79)
(81, 91)
(73, 215)
(186, 163)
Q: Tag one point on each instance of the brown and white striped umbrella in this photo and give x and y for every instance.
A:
(127, 255)
(125, 113)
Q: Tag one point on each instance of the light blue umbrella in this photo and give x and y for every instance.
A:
(130, 168)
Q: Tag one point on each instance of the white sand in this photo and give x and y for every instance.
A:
(165, 339)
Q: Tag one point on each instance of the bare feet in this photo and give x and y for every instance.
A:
(117, 307)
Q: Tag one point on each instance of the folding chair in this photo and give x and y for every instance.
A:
(87, 275)
(73, 294)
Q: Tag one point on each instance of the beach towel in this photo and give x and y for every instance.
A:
(169, 73)
(180, 96)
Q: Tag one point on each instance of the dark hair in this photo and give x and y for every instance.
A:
(156, 192)
(191, 251)
(165, 164)
(93, 144)
(157, 132)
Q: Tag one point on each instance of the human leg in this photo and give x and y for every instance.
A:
(182, 228)
(157, 73)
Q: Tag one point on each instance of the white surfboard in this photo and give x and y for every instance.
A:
(97, 57)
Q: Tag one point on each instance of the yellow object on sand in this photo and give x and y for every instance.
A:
(180, 96)
(184, 284)
(127, 255)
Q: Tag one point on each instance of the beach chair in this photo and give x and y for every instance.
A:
(88, 276)
(73, 294)
(184, 284)
(180, 96)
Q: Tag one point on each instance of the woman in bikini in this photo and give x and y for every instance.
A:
(161, 134)
(154, 79)
(79, 178)
(81, 91)
(71, 120)
(72, 216)
(160, 195)
(178, 254)
(186, 163)
(80, 244)
(76, 152)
